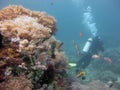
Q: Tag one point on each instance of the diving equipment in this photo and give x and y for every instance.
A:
(87, 45)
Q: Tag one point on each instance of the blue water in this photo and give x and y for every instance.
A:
(70, 20)
(69, 15)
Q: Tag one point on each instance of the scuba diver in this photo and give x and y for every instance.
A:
(93, 46)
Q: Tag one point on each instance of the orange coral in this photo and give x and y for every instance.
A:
(14, 11)
(27, 41)
(8, 52)
(18, 22)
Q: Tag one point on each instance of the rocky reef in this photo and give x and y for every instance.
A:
(30, 56)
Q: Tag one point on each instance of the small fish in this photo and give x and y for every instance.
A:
(77, 47)
(95, 56)
(80, 74)
(107, 59)
(81, 34)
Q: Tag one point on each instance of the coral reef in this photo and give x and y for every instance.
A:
(17, 83)
(14, 11)
(31, 58)
(25, 26)
(28, 48)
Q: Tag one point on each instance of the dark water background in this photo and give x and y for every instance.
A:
(69, 17)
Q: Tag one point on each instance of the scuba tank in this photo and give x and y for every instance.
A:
(87, 45)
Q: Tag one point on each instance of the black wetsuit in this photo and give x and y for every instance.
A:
(85, 60)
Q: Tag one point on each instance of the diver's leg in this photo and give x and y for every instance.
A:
(83, 62)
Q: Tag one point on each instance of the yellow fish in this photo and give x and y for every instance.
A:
(80, 74)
